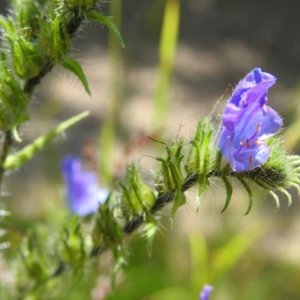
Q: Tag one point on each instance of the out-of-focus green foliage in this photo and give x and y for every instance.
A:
(167, 53)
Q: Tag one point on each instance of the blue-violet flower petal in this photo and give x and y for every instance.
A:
(247, 122)
(205, 293)
(83, 193)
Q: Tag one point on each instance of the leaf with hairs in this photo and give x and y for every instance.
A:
(95, 16)
(21, 157)
(72, 65)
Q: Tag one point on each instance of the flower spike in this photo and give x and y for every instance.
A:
(247, 122)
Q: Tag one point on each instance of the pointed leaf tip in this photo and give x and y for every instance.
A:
(250, 195)
(228, 188)
(95, 16)
(73, 66)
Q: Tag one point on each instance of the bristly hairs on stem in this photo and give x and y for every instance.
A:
(33, 53)
(184, 165)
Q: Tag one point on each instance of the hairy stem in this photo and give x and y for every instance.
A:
(131, 226)
(160, 202)
(72, 28)
(6, 147)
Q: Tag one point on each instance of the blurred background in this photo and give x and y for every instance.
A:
(179, 59)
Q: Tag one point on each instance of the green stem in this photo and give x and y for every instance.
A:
(71, 28)
(108, 130)
(6, 148)
(167, 51)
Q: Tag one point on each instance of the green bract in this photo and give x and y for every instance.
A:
(138, 197)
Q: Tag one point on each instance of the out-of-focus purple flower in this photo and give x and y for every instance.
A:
(83, 193)
(205, 293)
(247, 122)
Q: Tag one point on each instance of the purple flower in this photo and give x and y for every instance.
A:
(83, 193)
(247, 122)
(205, 293)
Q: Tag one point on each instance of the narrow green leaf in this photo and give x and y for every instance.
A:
(8, 25)
(20, 158)
(196, 157)
(179, 200)
(296, 186)
(276, 199)
(72, 65)
(95, 16)
(228, 188)
(150, 229)
(250, 195)
(288, 196)
(204, 184)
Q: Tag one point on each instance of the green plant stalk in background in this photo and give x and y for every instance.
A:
(167, 52)
(18, 159)
(108, 128)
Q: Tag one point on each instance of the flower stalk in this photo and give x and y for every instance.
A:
(248, 148)
(277, 174)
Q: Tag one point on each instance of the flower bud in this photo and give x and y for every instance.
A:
(138, 197)
(80, 6)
